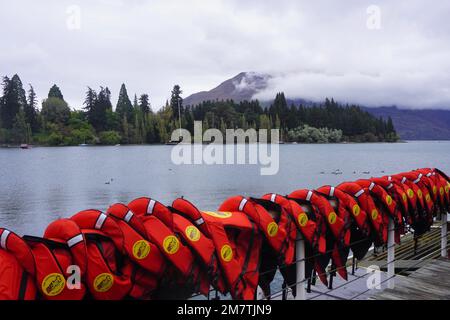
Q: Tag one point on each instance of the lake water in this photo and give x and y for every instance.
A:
(42, 184)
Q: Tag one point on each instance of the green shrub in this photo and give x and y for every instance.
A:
(110, 137)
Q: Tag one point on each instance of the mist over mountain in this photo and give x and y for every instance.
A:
(239, 88)
(411, 124)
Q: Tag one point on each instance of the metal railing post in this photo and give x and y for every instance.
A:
(444, 251)
(391, 254)
(300, 272)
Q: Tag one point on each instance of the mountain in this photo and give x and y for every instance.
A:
(242, 87)
(410, 124)
(417, 124)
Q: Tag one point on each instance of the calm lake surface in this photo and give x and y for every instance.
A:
(42, 184)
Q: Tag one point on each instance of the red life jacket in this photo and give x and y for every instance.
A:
(109, 273)
(278, 235)
(420, 220)
(347, 202)
(237, 243)
(367, 204)
(397, 192)
(305, 225)
(409, 194)
(323, 214)
(201, 248)
(53, 259)
(434, 183)
(439, 188)
(333, 220)
(425, 191)
(386, 205)
(444, 188)
(17, 268)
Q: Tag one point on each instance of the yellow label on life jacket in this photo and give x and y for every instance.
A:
(404, 197)
(427, 197)
(356, 210)
(374, 214)
(272, 229)
(410, 193)
(226, 253)
(192, 233)
(447, 188)
(141, 249)
(171, 244)
(103, 282)
(388, 200)
(219, 214)
(53, 284)
(302, 219)
(441, 190)
(434, 189)
(332, 218)
(419, 194)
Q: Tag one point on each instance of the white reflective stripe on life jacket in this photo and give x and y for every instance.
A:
(242, 204)
(128, 216)
(404, 179)
(418, 179)
(359, 193)
(3, 238)
(199, 221)
(389, 178)
(390, 186)
(151, 206)
(309, 195)
(273, 197)
(100, 220)
(372, 185)
(332, 192)
(429, 174)
(75, 240)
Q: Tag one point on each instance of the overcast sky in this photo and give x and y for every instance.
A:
(397, 52)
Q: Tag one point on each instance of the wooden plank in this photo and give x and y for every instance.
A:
(430, 282)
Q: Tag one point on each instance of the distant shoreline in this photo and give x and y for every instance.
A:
(164, 144)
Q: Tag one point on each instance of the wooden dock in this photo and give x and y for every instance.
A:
(431, 282)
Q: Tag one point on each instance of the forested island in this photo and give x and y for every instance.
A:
(53, 122)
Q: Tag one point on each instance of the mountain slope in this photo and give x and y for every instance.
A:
(417, 124)
(242, 87)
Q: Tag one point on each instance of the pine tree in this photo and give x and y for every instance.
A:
(13, 100)
(144, 104)
(55, 92)
(21, 129)
(31, 110)
(176, 102)
(124, 106)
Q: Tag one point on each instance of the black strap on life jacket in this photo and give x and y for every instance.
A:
(23, 285)
(247, 257)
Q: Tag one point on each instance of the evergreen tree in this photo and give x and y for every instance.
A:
(31, 109)
(124, 106)
(144, 104)
(13, 100)
(390, 126)
(55, 92)
(21, 131)
(135, 103)
(176, 102)
(97, 107)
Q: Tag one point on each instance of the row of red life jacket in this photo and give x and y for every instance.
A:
(146, 250)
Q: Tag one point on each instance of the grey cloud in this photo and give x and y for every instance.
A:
(312, 49)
